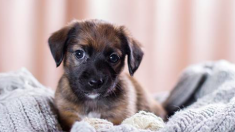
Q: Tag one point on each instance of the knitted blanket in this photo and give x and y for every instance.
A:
(214, 109)
(26, 105)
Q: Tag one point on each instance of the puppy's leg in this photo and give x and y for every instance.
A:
(116, 121)
(158, 110)
(68, 118)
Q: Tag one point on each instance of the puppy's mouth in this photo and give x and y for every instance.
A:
(92, 95)
(102, 92)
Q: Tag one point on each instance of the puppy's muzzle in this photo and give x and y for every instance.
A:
(95, 83)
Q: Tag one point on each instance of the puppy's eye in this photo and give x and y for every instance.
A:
(113, 58)
(79, 54)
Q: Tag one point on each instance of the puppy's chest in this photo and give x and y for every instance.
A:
(93, 110)
(104, 114)
(92, 114)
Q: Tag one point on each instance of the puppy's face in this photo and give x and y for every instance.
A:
(94, 55)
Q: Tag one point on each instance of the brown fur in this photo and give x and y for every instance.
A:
(128, 97)
(133, 99)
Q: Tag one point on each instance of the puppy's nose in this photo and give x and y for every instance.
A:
(96, 83)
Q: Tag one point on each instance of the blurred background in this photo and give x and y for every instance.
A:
(174, 34)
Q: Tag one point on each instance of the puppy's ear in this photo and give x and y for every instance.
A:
(133, 50)
(58, 42)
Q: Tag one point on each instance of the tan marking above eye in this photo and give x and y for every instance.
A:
(119, 53)
(77, 47)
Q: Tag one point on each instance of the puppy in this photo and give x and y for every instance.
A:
(93, 84)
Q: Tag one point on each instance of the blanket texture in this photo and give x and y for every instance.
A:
(214, 109)
(26, 105)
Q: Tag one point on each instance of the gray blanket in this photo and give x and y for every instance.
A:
(25, 105)
(214, 109)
